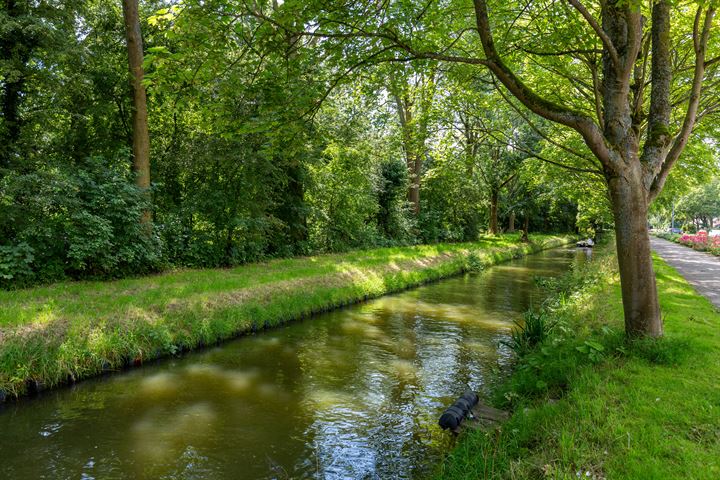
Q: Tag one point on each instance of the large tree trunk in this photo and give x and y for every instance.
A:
(634, 175)
(637, 278)
(625, 179)
(494, 212)
(141, 136)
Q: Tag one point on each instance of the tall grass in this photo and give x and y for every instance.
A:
(530, 332)
(69, 331)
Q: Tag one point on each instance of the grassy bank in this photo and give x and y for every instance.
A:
(590, 405)
(69, 331)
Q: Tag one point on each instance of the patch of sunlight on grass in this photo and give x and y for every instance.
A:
(44, 314)
(134, 312)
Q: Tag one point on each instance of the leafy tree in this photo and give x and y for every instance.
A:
(140, 135)
(412, 88)
(701, 206)
(605, 72)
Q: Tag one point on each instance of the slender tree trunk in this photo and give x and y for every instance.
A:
(494, 212)
(11, 102)
(526, 228)
(413, 158)
(15, 48)
(637, 278)
(511, 225)
(141, 136)
(414, 163)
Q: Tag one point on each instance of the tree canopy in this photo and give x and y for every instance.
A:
(283, 128)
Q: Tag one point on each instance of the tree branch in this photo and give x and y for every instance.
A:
(583, 124)
(658, 132)
(541, 133)
(612, 51)
(700, 40)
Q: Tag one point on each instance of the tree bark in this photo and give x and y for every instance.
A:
(494, 212)
(140, 134)
(633, 181)
(637, 277)
(414, 168)
(526, 228)
(412, 149)
(511, 224)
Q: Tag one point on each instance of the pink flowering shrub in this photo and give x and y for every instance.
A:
(701, 242)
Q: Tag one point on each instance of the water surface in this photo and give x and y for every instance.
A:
(353, 394)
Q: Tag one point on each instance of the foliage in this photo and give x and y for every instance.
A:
(529, 333)
(591, 404)
(61, 223)
(700, 206)
(343, 200)
(263, 143)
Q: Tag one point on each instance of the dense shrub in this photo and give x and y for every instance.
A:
(83, 221)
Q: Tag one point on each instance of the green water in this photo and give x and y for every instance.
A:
(353, 394)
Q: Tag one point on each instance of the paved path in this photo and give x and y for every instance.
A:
(700, 269)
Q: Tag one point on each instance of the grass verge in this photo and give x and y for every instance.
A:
(69, 331)
(588, 404)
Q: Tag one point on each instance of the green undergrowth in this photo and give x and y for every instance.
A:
(69, 331)
(590, 404)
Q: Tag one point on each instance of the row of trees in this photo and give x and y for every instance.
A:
(203, 135)
(256, 129)
(695, 209)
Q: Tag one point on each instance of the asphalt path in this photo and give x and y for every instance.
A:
(700, 269)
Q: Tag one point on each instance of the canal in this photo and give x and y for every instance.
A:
(352, 394)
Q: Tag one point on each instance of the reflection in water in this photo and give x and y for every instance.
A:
(350, 394)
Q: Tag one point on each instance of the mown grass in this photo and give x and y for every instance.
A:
(588, 404)
(69, 331)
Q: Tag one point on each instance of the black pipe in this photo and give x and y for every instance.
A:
(454, 415)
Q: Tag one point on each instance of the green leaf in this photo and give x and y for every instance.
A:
(594, 345)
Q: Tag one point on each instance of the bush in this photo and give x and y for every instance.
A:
(76, 222)
(15, 261)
